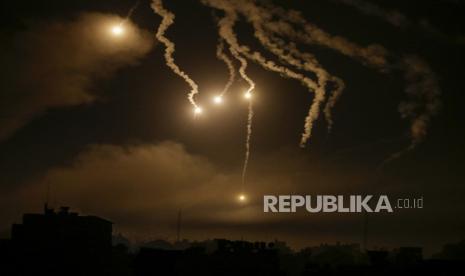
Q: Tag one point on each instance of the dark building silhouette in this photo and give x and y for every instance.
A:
(65, 243)
(63, 230)
(228, 258)
(378, 258)
(409, 255)
(60, 243)
(452, 251)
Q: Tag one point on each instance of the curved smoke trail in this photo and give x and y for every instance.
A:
(288, 53)
(167, 20)
(251, 83)
(232, 73)
(247, 142)
(422, 88)
(422, 104)
(273, 26)
(130, 12)
(226, 31)
(133, 8)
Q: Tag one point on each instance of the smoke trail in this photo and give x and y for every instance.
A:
(167, 20)
(251, 83)
(393, 17)
(318, 91)
(310, 64)
(373, 55)
(272, 24)
(332, 100)
(243, 62)
(321, 74)
(232, 73)
(422, 104)
(133, 8)
(226, 25)
(279, 48)
(128, 16)
(233, 48)
(247, 141)
(423, 92)
(422, 88)
(423, 101)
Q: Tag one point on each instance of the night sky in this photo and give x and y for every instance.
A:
(108, 127)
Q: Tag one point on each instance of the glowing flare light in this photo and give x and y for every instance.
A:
(218, 100)
(117, 30)
(242, 198)
(198, 110)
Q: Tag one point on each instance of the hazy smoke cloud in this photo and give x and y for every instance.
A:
(391, 16)
(400, 20)
(55, 64)
(137, 185)
(141, 188)
(423, 94)
(373, 55)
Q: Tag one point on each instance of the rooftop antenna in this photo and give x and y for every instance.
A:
(178, 227)
(365, 231)
(47, 198)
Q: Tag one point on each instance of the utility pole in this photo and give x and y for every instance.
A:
(365, 230)
(47, 198)
(178, 228)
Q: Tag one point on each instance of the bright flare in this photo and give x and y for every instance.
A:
(117, 30)
(248, 95)
(242, 198)
(218, 100)
(198, 110)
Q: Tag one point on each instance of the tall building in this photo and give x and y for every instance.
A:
(62, 229)
(61, 243)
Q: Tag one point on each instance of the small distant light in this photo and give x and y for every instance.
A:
(117, 30)
(198, 110)
(242, 198)
(248, 95)
(218, 100)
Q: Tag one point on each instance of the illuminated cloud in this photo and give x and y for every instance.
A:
(55, 64)
(142, 187)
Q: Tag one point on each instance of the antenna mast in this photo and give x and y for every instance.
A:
(178, 228)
